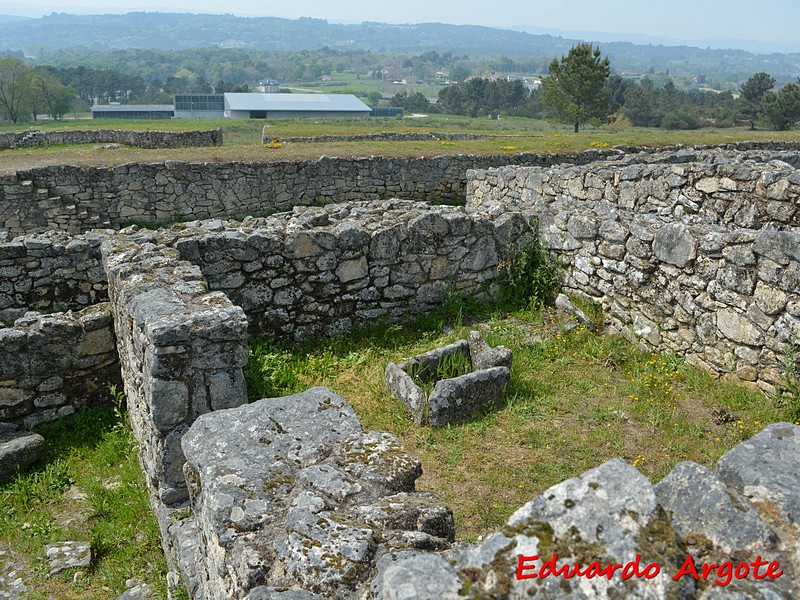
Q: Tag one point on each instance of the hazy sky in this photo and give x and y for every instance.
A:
(776, 21)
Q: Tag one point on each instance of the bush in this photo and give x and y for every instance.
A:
(528, 275)
(679, 121)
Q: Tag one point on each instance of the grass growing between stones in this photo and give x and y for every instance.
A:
(576, 399)
(88, 487)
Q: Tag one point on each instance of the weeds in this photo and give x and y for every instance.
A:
(92, 455)
(528, 275)
(448, 366)
(789, 387)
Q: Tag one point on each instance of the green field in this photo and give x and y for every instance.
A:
(243, 139)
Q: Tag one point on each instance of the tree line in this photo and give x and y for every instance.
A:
(580, 89)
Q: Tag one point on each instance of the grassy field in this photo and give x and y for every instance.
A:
(576, 399)
(88, 487)
(243, 139)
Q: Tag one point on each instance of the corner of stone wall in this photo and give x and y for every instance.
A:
(182, 349)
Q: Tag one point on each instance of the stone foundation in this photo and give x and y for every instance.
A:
(453, 399)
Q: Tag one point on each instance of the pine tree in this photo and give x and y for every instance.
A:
(576, 88)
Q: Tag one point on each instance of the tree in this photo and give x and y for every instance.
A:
(752, 92)
(49, 94)
(14, 87)
(576, 88)
(783, 108)
(416, 102)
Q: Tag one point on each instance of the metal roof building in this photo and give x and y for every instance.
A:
(133, 111)
(290, 106)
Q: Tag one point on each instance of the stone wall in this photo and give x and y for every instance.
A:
(76, 199)
(317, 271)
(142, 139)
(385, 136)
(52, 365)
(700, 258)
(181, 351)
(51, 271)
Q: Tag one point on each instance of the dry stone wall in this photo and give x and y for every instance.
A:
(52, 365)
(700, 258)
(142, 139)
(77, 199)
(51, 271)
(181, 351)
(385, 136)
(318, 270)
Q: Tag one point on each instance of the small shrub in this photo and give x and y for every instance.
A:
(680, 121)
(620, 122)
(528, 275)
(789, 387)
(273, 144)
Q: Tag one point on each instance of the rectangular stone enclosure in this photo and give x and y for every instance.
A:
(452, 399)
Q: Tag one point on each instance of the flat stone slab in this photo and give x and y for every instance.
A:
(17, 449)
(290, 494)
(68, 555)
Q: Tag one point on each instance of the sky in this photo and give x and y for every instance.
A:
(773, 22)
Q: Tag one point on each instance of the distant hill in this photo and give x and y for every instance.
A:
(12, 19)
(172, 31)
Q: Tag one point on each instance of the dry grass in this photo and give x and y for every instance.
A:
(243, 140)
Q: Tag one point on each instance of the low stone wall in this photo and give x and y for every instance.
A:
(317, 271)
(142, 139)
(51, 271)
(76, 199)
(181, 351)
(385, 136)
(698, 258)
(52, 365)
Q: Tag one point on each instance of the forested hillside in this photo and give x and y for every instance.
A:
(45, 38)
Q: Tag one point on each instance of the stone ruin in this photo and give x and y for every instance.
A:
(455, 398)
(694, 251)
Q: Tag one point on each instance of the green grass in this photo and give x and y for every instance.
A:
(576, 399)
(93, 453)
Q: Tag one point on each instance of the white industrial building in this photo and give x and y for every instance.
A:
(242, 106)
(292, 106)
